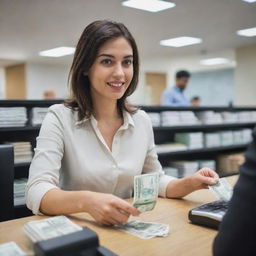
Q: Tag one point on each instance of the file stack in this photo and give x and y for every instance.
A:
(13, 116)
(170, 147)
(212, 140)
(238, 137)
(38, 115)
(170, 118)
(185, 168)
(229, 163)
(226, 138)
(155, 119)
(207, 163)
(209, 117)
(19, 191)
(188, 118)
(247, 135)
(171, 171)
(229, 117)
(22, 151)
(244, 117)
(192, 140)
(253, 116)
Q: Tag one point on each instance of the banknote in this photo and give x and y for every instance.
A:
(11, 249)
(48, 228)
(222, 189)
(144, 230)
(145, 191)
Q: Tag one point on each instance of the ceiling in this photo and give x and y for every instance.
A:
(30, 26)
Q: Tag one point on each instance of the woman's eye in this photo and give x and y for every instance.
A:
(128, 62)
(106, 62)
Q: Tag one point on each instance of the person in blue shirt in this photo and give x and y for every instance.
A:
(174, 96)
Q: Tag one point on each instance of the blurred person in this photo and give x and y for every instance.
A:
(195, 101)
(49, 95)
(174, 96)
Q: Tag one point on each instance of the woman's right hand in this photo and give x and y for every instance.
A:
(108, 209)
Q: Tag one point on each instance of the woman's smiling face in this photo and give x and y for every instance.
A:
(112, 70)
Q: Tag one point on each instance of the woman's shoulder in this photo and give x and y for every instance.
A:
(141, 115)
(61, 111)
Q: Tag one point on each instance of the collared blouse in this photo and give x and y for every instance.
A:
(72, 155)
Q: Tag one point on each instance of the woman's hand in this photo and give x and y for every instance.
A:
(108, 209)
(201, 179)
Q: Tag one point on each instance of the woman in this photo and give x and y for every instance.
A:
(90, 148)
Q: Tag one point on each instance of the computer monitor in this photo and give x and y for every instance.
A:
(6, 182)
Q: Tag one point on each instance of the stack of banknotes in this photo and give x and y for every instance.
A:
(11, 248)
(222, 189)
(49, 228)
(145, 197)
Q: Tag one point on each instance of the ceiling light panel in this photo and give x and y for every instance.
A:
(249, 32)
(58, 52)
(249, 1)
(148, 5)
(214, 61)
(181, 41)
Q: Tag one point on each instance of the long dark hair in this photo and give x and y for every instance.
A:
(92, 38)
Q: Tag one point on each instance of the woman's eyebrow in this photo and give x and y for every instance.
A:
(111, 56)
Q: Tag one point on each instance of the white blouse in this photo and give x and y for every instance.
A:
(72, 155)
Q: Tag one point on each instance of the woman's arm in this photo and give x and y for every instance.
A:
(199, 180)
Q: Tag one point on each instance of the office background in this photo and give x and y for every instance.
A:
(28, 26)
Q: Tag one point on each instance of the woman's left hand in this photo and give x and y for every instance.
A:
(203, 178)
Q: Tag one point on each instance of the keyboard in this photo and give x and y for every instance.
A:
(210, 214)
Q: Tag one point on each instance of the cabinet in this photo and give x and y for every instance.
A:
(165, 133)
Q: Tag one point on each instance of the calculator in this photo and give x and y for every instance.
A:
(209, 215)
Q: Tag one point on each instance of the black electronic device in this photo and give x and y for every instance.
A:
(209, 214)
(80, 243)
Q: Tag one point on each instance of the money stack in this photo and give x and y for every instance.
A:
(49, 228)
(10, 249)
(193, 140)
(222, 189)
(146, 191)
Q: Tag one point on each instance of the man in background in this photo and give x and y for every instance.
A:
(174, 96)
(195, 101)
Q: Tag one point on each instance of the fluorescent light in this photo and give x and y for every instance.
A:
(247, 32)
(181, 41)
(214, 61)
(148, 5)
(249, 1)
(58, 52)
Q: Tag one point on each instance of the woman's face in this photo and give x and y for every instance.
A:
(112, 70)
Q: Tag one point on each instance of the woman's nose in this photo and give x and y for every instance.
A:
(118, 70)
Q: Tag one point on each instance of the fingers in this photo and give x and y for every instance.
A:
(125, 208)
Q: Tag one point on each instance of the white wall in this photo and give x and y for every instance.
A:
(245, 76)
(42, 77)
(2, 83)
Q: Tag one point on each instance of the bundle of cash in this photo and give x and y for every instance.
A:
(144, 230)
(145, 191)
(49, 228)
(222, 189)
(11, 249)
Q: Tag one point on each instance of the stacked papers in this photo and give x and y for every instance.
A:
(155, 119)
(38, 115)
(229, 117)
(192, 140)
(49, 228)
(238, 137)
(226, 138)
(170, 147)
(171, 171)
(207, 163)
(246, 135)
(22, 151)
(176, 118)
(212, 140)
(185, 168)
(13, 116)
(209, 117)
(244, 116)
(19, 191)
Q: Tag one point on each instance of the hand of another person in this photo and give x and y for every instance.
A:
(203, 178)
(108, 209)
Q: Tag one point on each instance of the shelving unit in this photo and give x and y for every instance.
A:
(162, 135)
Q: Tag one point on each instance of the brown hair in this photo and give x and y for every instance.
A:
(93, 37)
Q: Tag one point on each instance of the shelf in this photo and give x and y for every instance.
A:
(24, 128)
(27, 164)
(204, 150)
(203, 127)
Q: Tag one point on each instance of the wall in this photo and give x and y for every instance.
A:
(42, 77)
(245, 76)
(2, 83)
